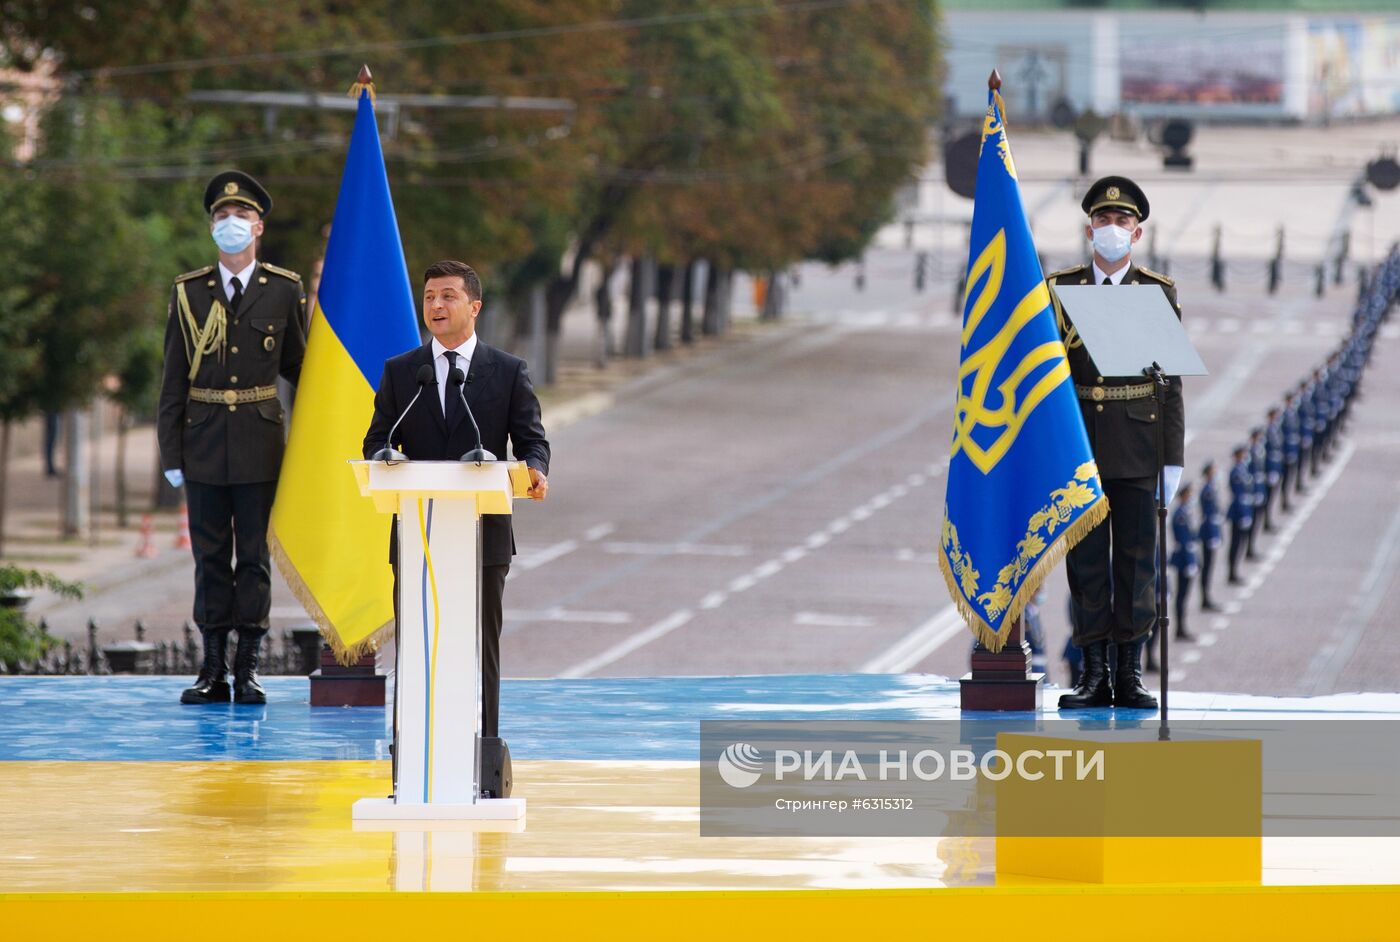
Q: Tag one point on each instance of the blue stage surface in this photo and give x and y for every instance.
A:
(115, 719)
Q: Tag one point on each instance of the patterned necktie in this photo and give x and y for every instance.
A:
(237, 297)
(453, 405)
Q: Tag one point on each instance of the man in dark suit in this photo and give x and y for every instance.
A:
(232, 329)
(502, 401)
(1112, 570)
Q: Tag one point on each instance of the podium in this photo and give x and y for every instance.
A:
(437, 703)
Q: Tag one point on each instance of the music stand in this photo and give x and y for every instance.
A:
(1133, 331)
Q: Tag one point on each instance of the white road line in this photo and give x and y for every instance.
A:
(1190, 657)
(625, 647)
(917, 645)
(824, 620)
(527, 561)
(1206, 641)
(1322, 673)
(674, 549)
(569, 615)
(598, 532)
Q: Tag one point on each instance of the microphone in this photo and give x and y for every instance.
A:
(478, 454)
(427, 376)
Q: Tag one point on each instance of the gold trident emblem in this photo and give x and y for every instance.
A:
(982, 365)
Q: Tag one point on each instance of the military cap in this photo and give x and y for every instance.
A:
(235, 186)
(1116, 193)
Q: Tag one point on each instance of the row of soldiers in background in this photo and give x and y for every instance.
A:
(1298, 437)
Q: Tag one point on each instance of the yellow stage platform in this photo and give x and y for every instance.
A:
(151, 850)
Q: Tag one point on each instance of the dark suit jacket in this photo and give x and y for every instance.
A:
(211, 442)
(504, 404)
(1123, 432)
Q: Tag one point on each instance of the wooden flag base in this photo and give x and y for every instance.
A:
(356, 685)
(1002, 680)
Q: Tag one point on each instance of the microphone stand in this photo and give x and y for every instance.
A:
(477, 454)
(1159, 384)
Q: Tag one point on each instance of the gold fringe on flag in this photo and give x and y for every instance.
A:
(344, 655)
(992, 640)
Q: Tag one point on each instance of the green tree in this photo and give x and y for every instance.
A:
(21, 639)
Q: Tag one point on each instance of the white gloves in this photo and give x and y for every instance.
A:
(1172, 475)
(176, 477)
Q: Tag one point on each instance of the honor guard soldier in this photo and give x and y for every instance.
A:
(1292, 448)
(1306, 427)
(1112, 570)
(1241, 512)
(1258, 472)
(1210, 531)
(233, 328)
(1273, 463)
(1184, 558)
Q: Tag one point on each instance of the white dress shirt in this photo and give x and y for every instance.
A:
(1115, 278)
(244, 276)
(464, 359)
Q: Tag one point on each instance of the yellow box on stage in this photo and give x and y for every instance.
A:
(1141, 811)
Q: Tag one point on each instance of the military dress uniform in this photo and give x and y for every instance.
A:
(221, 423)
(1184, 560)
(1241, 511)
(1210, 535)
(1112, 570)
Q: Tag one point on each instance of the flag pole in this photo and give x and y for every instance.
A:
(1002, 680)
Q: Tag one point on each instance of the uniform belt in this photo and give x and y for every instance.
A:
(231, 397)
(1100, 393)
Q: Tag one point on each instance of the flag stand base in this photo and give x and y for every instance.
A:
(1002, 680)
(338, 685)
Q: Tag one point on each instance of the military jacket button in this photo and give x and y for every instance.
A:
(1098, 408)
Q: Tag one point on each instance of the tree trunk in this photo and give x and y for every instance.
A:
(710, 320)
(603, 305)
(75, 482)
(726, 298)
(773, 298)
(688, 303)
(665, 292)
(4, 476)
(119, 472)
(638, 292)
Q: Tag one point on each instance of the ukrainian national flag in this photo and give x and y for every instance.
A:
(329, 542)
(1022, 483)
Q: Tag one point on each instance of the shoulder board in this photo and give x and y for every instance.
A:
(1156, 276)
(1073, 269)
(284, 272)
(195, 274)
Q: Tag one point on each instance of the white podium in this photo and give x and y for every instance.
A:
(437, 708)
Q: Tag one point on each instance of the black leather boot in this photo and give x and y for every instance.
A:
(246, 688)
(1128, 691)
(1094, 689)
(211, 686)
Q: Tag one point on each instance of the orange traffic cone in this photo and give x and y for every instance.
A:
(182, 539)
(147, 547)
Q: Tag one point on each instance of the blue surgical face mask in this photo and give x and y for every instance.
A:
(233, 234)
(1113, 243)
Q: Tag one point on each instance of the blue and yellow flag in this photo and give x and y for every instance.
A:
(330, 544)
(1022, 483)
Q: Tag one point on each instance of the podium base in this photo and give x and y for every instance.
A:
(507, 811)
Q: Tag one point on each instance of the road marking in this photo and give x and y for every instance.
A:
(625, 647)
(534, 560)
(674, 549)
(1227, 325)
(537, 558)
(714, 600)
(1207, 641)
(822, 620)
(1190, 657)
(917, 644)
(1329, 662)
(568, 615)
(907, 555)
(1220, 623)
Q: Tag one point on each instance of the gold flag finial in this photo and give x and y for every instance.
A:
(363, 82)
